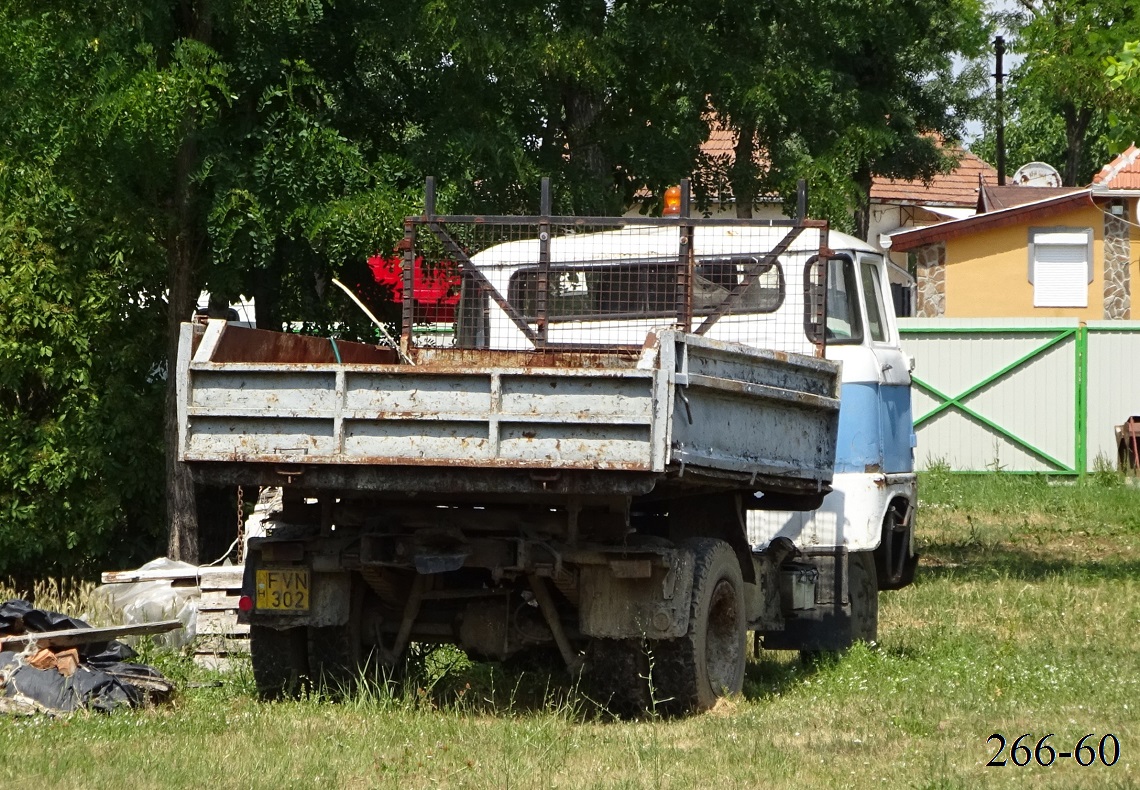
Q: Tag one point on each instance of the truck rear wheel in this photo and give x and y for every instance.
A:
(707, 663)
(280, 660)
(617, 672)
(335, 651)
(335, 659)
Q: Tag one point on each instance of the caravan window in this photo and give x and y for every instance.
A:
(634, 290)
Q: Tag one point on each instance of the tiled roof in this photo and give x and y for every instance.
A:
(959, 187)
(995, 198)
(1123, 172)
(956, 188)
(720, 142)
(1026, 212)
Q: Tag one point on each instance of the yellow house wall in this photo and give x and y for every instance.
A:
(987, 274)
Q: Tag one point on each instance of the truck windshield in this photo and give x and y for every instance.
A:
(642, 289)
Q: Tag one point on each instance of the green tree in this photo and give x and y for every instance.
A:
(839, 92)
(147, 150)
(1062, 103)
(600, 96)
(1123, 71)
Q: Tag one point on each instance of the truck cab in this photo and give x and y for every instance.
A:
(872, 502)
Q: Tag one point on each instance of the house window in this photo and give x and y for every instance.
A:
(1060, 266)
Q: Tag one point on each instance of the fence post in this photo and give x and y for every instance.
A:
(1082, 400)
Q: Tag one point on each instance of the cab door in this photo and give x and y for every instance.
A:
(895, 415)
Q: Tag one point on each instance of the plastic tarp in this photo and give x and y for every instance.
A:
(159, 599)
(105, 678)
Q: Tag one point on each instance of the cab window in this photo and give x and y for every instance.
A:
(873, 292)
(593, 291)
(844, 323)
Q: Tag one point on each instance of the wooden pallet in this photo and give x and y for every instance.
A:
(221, 638)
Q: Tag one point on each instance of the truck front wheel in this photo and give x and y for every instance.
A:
(280, 660)
(707, 663)
(863, 588)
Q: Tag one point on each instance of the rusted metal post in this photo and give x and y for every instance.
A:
(407, 305)
(543, 260)
(685, 264)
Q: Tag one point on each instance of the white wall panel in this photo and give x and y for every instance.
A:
(1113, 383)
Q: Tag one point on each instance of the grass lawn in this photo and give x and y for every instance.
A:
(1025, 619)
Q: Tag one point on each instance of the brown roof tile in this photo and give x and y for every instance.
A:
(720, 142)
(956, 188)
(995, 198)
(959, 187)
(1123, 172)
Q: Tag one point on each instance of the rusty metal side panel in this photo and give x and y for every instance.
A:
(687, 403)
(436, 414)
(754, 411)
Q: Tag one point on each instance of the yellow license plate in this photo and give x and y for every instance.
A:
(283, 590)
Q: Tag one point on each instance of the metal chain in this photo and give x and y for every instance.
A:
(240, 526)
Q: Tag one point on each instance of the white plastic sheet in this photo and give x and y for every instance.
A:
(159, 599)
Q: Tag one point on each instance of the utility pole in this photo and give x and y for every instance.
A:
(999, 52)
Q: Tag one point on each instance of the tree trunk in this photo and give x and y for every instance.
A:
(1076, 126)
(182, 513)
(744, 171)
(583, 108)
(184, 246)
(863, 179)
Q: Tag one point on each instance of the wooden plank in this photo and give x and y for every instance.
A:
(232, 582)
(208, 578)
(72, 637)
(220, 623)
(227, 604)
(221, 645)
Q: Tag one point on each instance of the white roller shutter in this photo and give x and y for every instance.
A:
(1061, 270)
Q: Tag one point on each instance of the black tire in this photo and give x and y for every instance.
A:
(335, 659)
(617, 675)
(863, 588)
(696, 670)
(280, 660)
(894, 562)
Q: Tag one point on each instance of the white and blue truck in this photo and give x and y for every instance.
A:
(624, 451)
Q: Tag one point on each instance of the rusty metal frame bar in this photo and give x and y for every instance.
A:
(545, 221)
(685, 262)
(440, 232)
(543, 262)
(750, 277)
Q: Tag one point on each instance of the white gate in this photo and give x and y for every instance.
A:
(1021, 395)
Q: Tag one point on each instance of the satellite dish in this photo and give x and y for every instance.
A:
(1037, 174)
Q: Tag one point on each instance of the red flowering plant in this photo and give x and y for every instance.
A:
(435, 289)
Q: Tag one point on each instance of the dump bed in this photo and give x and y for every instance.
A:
(683, 411)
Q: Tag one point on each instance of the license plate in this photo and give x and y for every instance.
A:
(283, 590)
